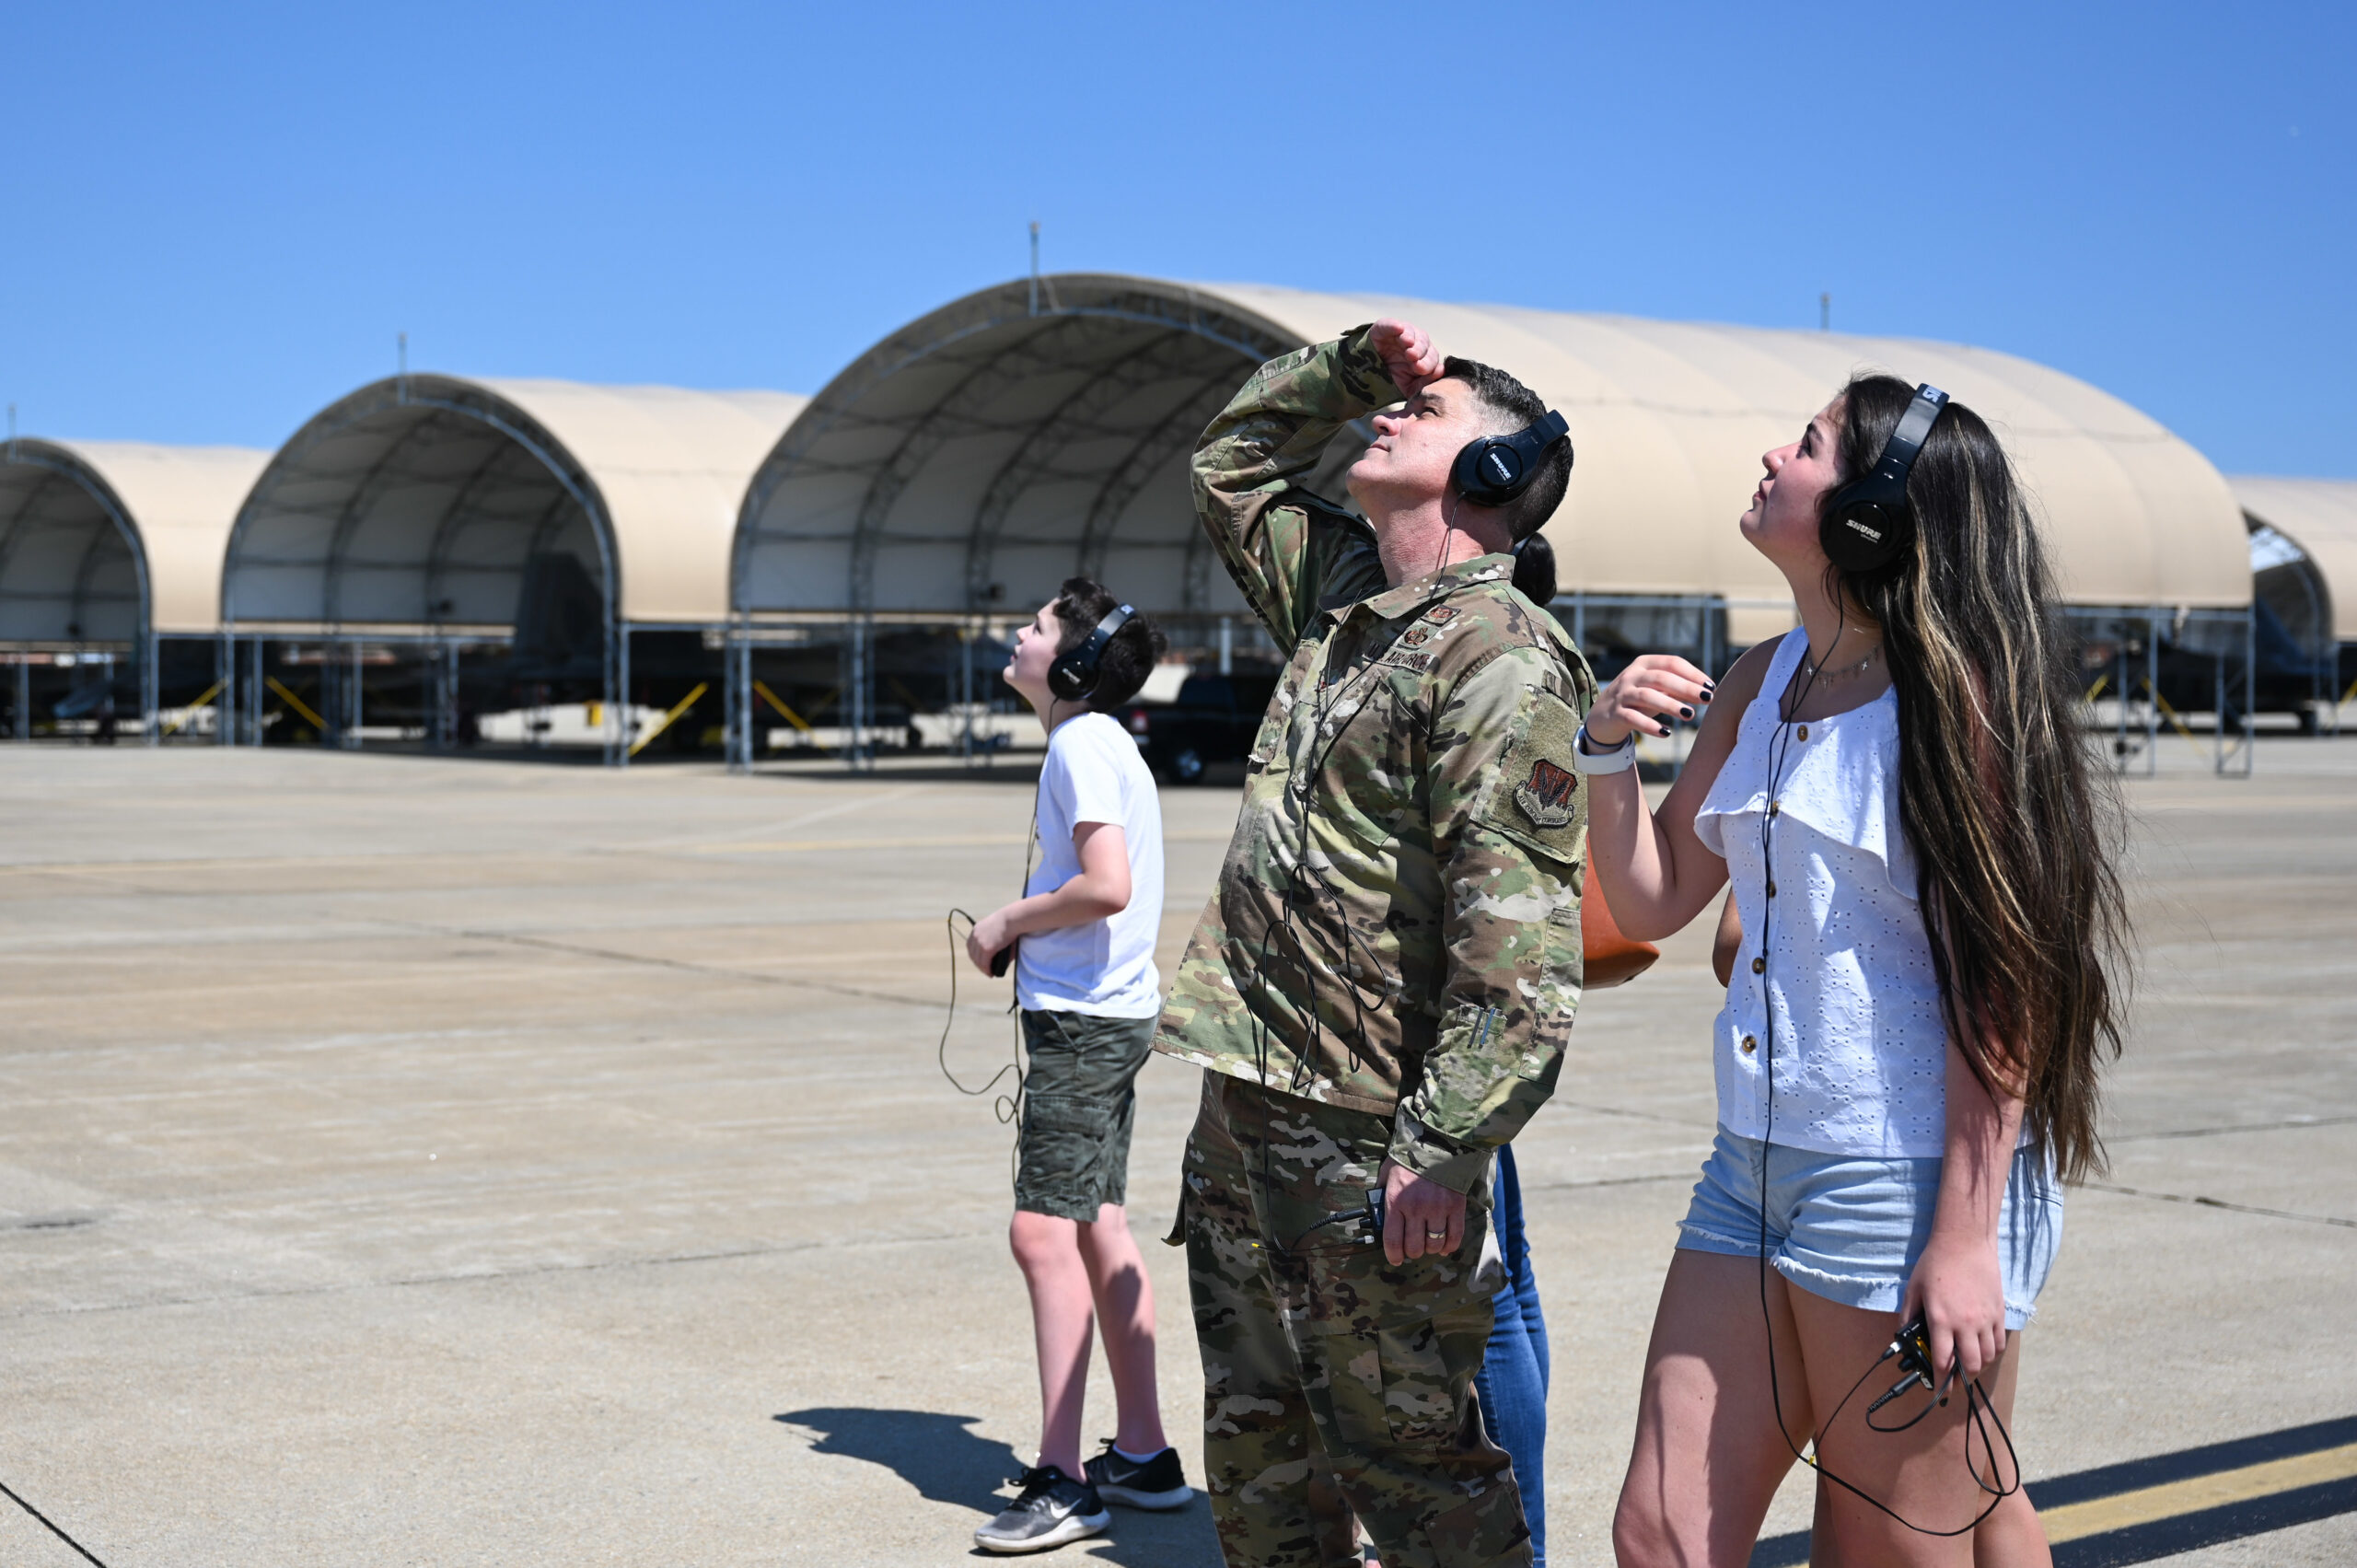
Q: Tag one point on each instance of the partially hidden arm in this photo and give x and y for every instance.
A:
(1727, 940)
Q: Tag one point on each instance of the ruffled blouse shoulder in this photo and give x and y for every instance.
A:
(1843, 780)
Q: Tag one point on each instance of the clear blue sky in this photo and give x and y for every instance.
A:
(217, 216)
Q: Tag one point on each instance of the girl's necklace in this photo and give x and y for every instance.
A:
(1844, 673)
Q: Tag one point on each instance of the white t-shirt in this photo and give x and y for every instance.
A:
(1094, 774)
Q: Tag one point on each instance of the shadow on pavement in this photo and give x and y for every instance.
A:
(946, 1463)
(932, 1452)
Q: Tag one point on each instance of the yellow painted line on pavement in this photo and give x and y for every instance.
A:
(2150, 1504)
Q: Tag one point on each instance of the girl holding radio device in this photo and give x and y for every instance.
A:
(1926, 932)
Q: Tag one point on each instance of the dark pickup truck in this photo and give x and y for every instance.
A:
(1212, 720)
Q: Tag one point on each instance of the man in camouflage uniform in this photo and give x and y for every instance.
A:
(1383, 985)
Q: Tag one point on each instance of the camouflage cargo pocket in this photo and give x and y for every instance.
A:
(1408, 1385)
(1349, 1287)
(1071, 1144)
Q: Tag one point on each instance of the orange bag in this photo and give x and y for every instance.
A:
(1609, 958)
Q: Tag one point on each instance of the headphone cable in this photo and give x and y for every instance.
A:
(47, 1523)
(1979, 1413)
(1007, 1107)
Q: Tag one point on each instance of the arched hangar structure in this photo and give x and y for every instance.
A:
(432, 547)
(968, 463)
(109, 577)
(2304, 561)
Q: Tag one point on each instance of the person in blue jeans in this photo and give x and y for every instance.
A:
(1512, 1385)
(1510, 1389)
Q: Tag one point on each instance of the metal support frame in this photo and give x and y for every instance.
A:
(2137, 698)
(62, 474)
(1069, 332)
(1079, 418)
(403, 392)
(355, 696)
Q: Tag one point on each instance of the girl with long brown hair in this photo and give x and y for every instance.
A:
(1927, 935)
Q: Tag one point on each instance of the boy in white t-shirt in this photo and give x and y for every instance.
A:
(1083, 935)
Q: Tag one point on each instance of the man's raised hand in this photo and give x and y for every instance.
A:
(1407, 356)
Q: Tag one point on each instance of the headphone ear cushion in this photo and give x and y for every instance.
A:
(1862, 536)
(1473, 478)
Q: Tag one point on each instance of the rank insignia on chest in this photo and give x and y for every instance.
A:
(1546, 798)
(1413, 637)
(1441, 612)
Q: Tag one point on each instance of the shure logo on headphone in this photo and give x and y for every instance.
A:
(1498, 462)
(1874, 534)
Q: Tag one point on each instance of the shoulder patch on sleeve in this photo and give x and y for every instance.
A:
(1545, 797)
(1538, 802)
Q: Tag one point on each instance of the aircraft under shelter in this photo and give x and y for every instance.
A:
(433, 549)
(110, 581)
(2304, 564)
(940, 487)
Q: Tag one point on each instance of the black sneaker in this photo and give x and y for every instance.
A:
(1052, 1509)
(1156, 1483)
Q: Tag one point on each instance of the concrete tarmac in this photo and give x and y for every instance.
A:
(432, 1162)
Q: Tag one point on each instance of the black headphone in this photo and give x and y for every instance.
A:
(1868, 522)
(1073, 675)
(1496, 469)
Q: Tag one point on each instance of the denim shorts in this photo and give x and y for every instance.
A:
(1078, 1104)
(1850, 1227)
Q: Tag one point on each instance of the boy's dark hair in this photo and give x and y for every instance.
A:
(1128, 659)
(1507, 406)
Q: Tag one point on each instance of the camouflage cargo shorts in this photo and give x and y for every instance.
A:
(1078, 1104)
(1337, 1389)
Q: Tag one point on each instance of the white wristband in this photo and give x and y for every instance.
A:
(1613, 760)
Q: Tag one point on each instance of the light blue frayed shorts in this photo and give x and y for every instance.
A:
(1850, 1228)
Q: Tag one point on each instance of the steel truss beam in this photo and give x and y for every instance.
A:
(1176, 431)
(959, 338)
(1063, 345)
(537, 444)
(58, 476)
(1075, 419)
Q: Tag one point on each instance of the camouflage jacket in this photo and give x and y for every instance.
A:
(1397, 927)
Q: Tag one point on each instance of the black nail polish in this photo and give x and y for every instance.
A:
(1664, 730)
(1686, 713)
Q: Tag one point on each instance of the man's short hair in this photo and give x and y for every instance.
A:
(1128, 657)
(1506, 407)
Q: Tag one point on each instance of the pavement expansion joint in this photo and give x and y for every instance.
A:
(2201, 1203)
(2290, 1124)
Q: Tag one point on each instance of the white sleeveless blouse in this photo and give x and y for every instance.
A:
(1861, 1045)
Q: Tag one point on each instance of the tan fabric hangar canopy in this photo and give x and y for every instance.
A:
(978, 455)
(96, 534)
(2321, 517)
(424, 502)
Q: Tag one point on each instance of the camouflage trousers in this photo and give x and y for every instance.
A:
(1337, 1389)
